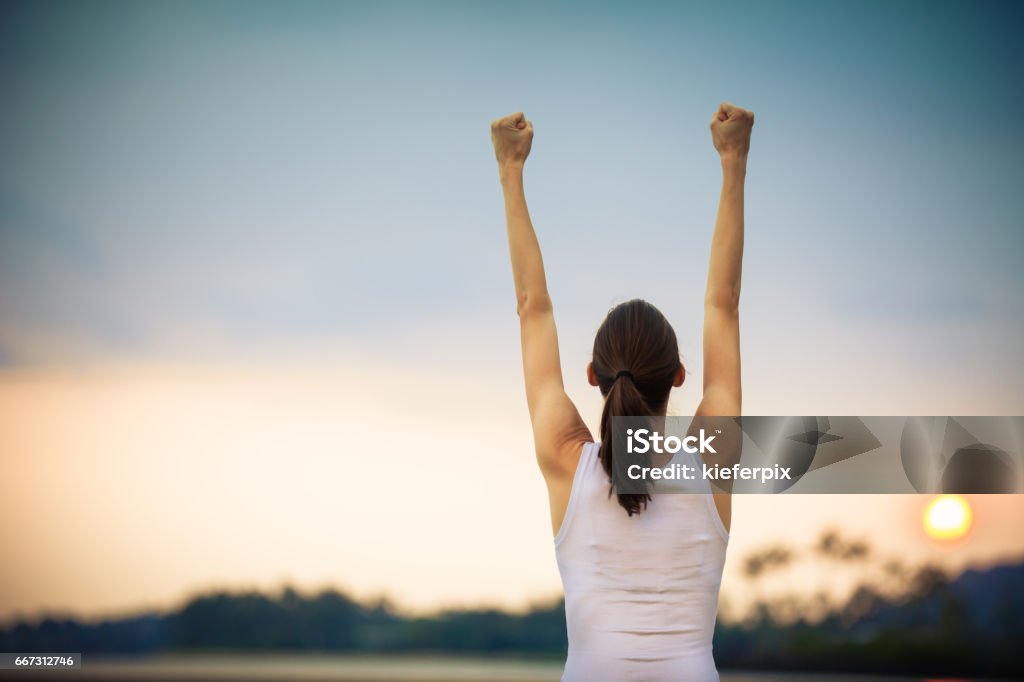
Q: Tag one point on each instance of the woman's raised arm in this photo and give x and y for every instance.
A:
(730, 132)
(558, 430)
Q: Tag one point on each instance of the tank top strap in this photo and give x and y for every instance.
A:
(587, 468)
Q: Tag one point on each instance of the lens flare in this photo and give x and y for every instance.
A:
(947, 517)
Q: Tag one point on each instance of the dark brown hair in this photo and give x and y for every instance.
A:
(636, 358)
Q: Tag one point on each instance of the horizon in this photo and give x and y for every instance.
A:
(884, 580)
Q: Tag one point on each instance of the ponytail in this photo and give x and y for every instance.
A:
(623, 400)
(636, 360)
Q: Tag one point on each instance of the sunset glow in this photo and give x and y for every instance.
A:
(947, 517)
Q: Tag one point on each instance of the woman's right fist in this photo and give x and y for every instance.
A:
(730, 130)
(512, 137)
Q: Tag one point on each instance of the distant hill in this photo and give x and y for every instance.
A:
(972, 625)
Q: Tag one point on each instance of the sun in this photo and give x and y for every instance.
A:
(947, 517)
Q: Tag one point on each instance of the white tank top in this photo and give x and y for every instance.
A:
(641, 592)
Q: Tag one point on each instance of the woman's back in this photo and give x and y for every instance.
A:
(641, 591)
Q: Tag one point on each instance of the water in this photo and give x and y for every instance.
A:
(259, 667)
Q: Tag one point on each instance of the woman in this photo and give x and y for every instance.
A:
(641, 575)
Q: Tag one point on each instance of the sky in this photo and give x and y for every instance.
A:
(249, 251)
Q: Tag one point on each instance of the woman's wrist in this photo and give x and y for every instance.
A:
(734, 163)
(510, 170)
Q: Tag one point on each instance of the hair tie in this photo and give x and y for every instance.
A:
(624, 373)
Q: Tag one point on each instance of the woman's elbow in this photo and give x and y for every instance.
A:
(727, 300)
(532, 304)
